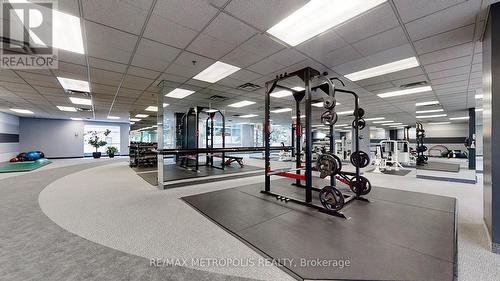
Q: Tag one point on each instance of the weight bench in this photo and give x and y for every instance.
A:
(231, 159)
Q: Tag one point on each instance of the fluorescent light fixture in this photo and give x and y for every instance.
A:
(66, 108)
(141, 115)
(347, 112)
(132, 123)
(281, 110)
(211, 110)
(431, 116)
(320, 104)
(76, 119)
(216, 72)
(113, 117)
(397, 125)
(405, 92)
(301, 116)
(479, 109)
(440, 123)
(154, 108)
(67, 32)
(135, 119)
(392, 123)
(23, 111)
(241, 104)
(74, 84)
(342, 125)
(460, 118)
(383, 69)
(429, 111)
(374, 119)
(427, 103)
(179, 93)
(380, 122)
(318, 16)
(80, 101)
(478, 96)
(281, 94)
(316, 126)
(249, 116)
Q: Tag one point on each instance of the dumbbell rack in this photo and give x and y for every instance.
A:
(421, 148)
(306, 75)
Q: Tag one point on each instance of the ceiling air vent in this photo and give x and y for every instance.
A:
(249, 87)
(414, 84)
(218, 98)
(83, 109)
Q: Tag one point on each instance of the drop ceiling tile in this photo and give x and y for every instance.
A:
(142, 72)
(449, 72)
(175, 35)
(193, 14)
(265, 67)
(245, 75)
(341, 56)
(105, 77)
(210, 47)
(229, 29)
(321, 45)
(184, 66)
(377, 20)
(240, 58)
(107, 65)
(445, 40)
(411, 10)
(446, 54)
(66, 56)
(462, 77)
(128, 15)
(263, 13)
(262, 45)
(456, 16)
(449, 64)
(102, 43)
(287, 57)
(153, 55)
(386, 40)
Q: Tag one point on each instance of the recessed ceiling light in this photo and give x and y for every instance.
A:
(179, 93)
(320, 104)
(211, 110)
(135, 119)
(23, 111)
(241, 104)
(76, 119)
(301, 116)
(431, 116)
(281, 110)
(342, 125)
(216, 72)
(141, 115)
(405, 92)
(347, 112)
(427, 103)
(383, 69)
(429, 111)
(113, 117)
(67, 32)
(392, 123)
(479, 109)
(132, 123)
(460, 118)
(440, 123)
(374, 119)
(318, 16)
(154, 108)
(80, 101)
(281, 94)
(66, 108)
(380, 122)
(248, 115)
(478, 96)
(74, 84)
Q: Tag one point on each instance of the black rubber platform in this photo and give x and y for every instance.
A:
(176, 173)
(440, 166)
(395, 173)
(399, 235)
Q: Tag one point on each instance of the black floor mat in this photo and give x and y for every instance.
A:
(440, 166)
(399, 235)
(401, 172)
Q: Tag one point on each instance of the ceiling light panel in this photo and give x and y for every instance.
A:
(217, 71)
(429, 111)
(427, 103)
(249, 116)
(67, 108)
(241, 104)
(380, 122)
(76, 119)
(460, 118)
(431, 116)
(113, 117)
(374, 119)
(318, 16)
(383, 69)
(281, 110)
(406, 92)
(179, 93)
(80, 101)
(22, 111)
(135, 119)
(74, 84)
(141, 115)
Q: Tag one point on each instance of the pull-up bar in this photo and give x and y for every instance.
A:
(218, 150)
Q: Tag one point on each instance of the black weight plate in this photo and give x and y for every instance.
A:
(329, 118)
(329, 103)
(360, 159)
(331, 198)
(359, 113)
(328, 165)
(360, 183)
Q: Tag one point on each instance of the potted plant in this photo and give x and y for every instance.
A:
(95, 141)
(111, 151)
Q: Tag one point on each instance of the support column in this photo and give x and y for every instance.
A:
(159, 132)
(472, 136)
(491, 126)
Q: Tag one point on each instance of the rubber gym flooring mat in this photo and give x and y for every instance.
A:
(392, 172)
(440, 166)
(176, 173)
(399, 235)
(24, 166)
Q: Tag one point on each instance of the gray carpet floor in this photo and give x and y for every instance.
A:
(32, 247)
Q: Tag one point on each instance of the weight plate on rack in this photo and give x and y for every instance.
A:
(360, 185)
(329, 102)
(328, 165)
(331, 198)
(360, 113)
(361, 123)
(360, 159)
(329, 118)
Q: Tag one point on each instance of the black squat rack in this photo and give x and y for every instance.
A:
(328, 164)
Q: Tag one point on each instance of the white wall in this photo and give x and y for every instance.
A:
(9, 124)
(61, 138)
(460, 130)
